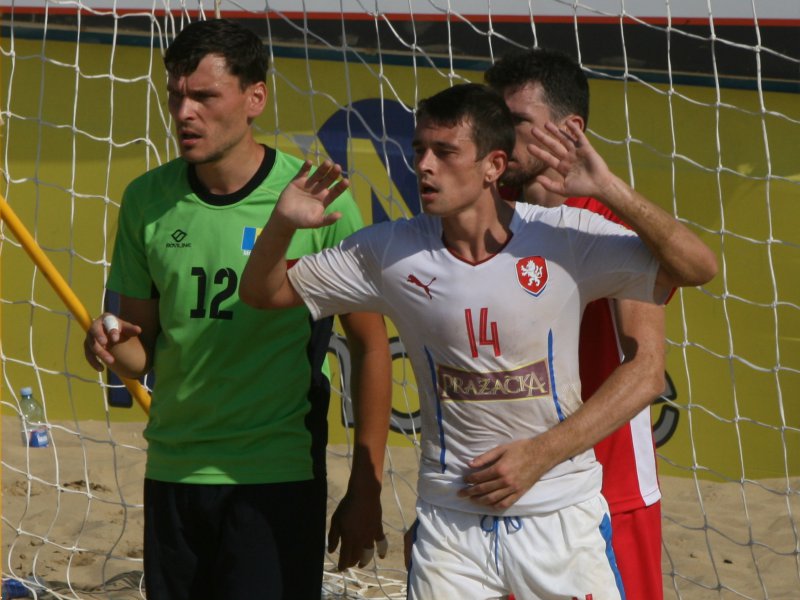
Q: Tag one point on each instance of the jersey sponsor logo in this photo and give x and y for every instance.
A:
(523, 383)
(178, 236)
(532, 274)
(426, 287)
(249, 236)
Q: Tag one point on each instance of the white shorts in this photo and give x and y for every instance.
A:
(562, 555)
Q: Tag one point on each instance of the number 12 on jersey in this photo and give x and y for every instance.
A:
(487, 332)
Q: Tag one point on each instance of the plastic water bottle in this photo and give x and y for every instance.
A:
(34, 431)
(14, 588)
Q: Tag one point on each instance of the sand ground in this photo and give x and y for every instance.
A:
(72, 516)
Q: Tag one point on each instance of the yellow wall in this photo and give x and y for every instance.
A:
(733, 350)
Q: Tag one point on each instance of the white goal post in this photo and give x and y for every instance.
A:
(694, 102)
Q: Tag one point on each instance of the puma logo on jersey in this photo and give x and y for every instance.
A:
(532, 274)
(425, 286)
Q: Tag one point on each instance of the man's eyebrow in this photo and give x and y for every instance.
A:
(445, 145)
(196, 91)
(441, 145)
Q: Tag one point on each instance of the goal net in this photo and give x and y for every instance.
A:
(695, 103)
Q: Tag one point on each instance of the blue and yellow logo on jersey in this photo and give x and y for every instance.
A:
(249, 236)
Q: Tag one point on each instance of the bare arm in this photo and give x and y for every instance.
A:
(510, 470)
(685, 260)
(264, 284)
(357, 519)
(301, 205)
(128, 351)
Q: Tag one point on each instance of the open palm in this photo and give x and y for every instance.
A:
(304, 201)
(583, 171)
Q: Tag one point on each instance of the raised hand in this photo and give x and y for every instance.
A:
(303, 202)
(569, 152)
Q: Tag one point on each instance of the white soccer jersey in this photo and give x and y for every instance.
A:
(494, 345)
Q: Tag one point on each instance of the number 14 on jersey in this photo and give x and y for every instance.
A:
(487, 332)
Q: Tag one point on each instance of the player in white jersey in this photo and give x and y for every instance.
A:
(494, 344)
(487, 299)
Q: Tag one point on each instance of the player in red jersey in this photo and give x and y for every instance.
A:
(622, 341)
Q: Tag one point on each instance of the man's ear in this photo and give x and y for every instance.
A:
(573, 118)
(257, 100)
(496, 163)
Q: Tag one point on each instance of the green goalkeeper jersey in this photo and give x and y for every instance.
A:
(239, 394)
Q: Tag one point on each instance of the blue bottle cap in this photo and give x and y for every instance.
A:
(13, 588)
(26, 391)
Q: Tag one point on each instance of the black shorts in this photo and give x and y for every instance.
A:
(234, 541)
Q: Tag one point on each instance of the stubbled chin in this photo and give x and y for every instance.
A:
(191, 152)
(432, 208)
(517, 177)
(188, 155)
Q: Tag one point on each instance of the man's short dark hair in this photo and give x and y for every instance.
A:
(245, 55)
(478, 105)
(564, 83)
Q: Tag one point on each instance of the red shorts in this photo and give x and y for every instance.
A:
(636, 538)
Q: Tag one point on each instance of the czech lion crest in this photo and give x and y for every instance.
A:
(532, 274)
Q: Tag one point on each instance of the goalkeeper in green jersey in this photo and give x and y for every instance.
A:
(235, 485)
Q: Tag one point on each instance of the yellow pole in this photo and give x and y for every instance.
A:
(62, 288)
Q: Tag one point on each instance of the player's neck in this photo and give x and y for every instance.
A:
(477, 234)
(233, 171)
